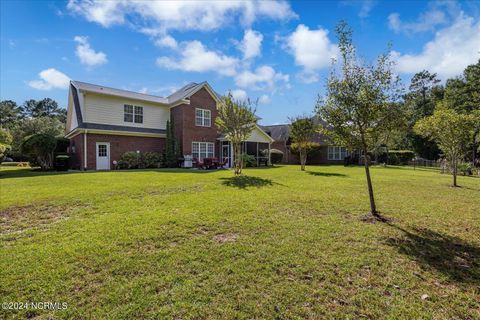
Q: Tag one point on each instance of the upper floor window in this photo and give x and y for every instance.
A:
(203, 117)
(337, 153)
(132, 113)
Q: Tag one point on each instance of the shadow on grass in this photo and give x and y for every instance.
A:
(243, 182)
(452, 256)
(325, 174)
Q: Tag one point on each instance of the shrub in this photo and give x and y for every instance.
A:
(62, 145)
(400, 157)
(151, 159)
(130, 160)
(248, 160)
(39, 148)
(134, 160)
(276, 156)
(465, 168)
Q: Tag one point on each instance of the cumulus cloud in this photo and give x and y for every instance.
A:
(251, 44)
(426, 22)
(264, 99)
(166, 41)
(312, 50)
(239, 94)
(50, 79)
(366, 7)
(451, 50)
(86, 54)
(263, 78)
(195, 57)
(180, 15)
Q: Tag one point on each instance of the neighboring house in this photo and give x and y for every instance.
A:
(103, 123)
(326, 153)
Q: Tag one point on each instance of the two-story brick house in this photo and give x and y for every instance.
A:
(103, 123)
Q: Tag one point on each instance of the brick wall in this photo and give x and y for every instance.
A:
(118, 146)
(184, 117)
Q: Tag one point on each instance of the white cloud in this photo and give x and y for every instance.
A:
(264, 99)
(239, 94)
(452, 49)
(86, 54)
(180, 15)
(251, 44)
(264, 78)
(312, 49)
(427, 21)
(366, 7)
(166, 41)
(195, 57)
(50, 79)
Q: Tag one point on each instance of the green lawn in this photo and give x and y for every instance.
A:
(277, 243)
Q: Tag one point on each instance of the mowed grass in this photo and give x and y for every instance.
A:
(276, 243)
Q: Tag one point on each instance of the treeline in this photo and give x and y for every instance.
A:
(426, 95)
(17, 122)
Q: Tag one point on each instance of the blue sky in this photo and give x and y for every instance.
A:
(278, 52)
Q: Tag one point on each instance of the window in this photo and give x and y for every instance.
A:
(102, 150)
(337, 153)
(201, 150)
(132, 114)
(138, 114)
(128, 113)
(203, 117)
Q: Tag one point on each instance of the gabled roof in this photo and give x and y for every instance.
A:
(181, 94)
(118, 92)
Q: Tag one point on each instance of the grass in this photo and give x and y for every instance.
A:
(275, 243)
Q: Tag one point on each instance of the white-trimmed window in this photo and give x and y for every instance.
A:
(203, 117)
(132, 113)
(201, 150)
(337, 153)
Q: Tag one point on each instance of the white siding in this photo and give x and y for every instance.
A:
(109, 110)
(258, 136)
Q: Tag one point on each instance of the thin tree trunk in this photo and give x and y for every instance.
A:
(373, 208)
(238, 158)
(303, 160)
(455, 172)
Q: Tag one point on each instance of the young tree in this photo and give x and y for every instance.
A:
(360, 103)
(452, 131)
(302, 131)
(236, 120)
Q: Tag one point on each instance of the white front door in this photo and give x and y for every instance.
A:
(103, 156)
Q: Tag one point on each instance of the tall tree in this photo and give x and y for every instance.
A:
(236, 120)
(171, 154)
(44, 108)
(452, 131)
(302, 131)
(10, 113)
(424, 92)
(5, 142)
(360, 103)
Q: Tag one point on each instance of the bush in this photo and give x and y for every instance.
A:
(62, 145)
(134, 160)
(152, 160)
(465, 168)
(39, 148)
(276, 156)
(400, 157)
(248, 160)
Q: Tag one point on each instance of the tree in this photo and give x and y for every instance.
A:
(44, 108)
(40, 148)
(302, 131)
(5, 142)
(10, 113)
(360, 102)
(452, 131)
(424, 93)
(171, 154)
(236, 120)
(29, 126)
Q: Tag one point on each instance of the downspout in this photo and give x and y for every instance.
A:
(85, 150)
